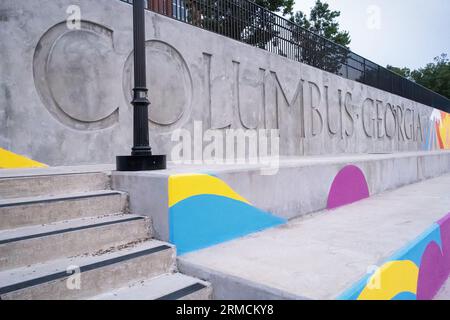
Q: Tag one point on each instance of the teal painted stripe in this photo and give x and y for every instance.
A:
(412, 251)
(205, 220)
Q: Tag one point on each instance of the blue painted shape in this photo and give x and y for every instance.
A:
(205, 220)
(413, 252)
(354, 291)
(416, 248)
(405, 296)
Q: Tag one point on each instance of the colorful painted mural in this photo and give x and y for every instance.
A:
(10, 160)
(416, 272)
(437, 133)
(204, 211)
(348, 186)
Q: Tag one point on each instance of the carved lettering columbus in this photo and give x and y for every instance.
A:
(300, 108)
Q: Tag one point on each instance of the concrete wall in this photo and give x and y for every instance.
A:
(64, 94)
(301, 186)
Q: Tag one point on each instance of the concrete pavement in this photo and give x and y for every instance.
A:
(321, 255)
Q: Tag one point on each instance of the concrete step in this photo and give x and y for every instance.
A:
(174, 286)
(52, 184)
(444, 293)
(88, 275)
(15, 213)
(402, 234)
(34, 244)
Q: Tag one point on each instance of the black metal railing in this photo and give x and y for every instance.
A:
(250, 23)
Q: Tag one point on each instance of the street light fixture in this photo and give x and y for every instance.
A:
(141, 157)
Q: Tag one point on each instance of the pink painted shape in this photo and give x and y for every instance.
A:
(435, 264)
(431, 273)
(349, 186)
(444, 224)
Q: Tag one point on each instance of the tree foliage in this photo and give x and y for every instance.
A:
(321, 25)
(434, 76)
(238, 19)
(284, 6)
(323, 21)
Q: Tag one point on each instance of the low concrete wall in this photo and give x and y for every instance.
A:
(301, 186)
(416, 272)
(64, 92)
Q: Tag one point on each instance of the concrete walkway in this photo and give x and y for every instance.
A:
(321, 255)
(444, 293)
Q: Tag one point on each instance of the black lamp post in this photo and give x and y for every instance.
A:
(141, 157)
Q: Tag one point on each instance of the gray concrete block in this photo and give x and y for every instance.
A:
(45, 185)
(77, 110)
(167, 286)
(30, 245)
(15, 213)
(98, 273)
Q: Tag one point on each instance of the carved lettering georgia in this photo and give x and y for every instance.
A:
(400, 119)
(380, 119)
(419, 131)
(368, 120)
(408, 123)
(389, 113)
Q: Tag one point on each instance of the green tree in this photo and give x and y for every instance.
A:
(434, 76)
(283, 6)
(312, 33)
(404, 72)
(240, 20)
(323, 21)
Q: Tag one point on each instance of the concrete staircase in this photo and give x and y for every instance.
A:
(68, 236)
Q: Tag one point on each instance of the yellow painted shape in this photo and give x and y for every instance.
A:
(391, 279)
(183, 186)
(444, 129)
(10, 160)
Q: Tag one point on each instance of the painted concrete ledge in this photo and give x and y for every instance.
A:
(11, 160)
(398, 240)
(195, 206)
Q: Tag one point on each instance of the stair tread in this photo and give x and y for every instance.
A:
(23, 233)
(166, 286)
(51, 198)
(50, 171)
(51, 268)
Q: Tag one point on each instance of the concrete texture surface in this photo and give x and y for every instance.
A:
(321, 255)
(61, 170)
(79, 243)
(50, 185)
(300, 186)
(79, 236)
(158, 287)
(94, 281)
(22, 212)
(73, 102)
(444, 293)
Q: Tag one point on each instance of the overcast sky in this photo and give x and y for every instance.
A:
(397, 32)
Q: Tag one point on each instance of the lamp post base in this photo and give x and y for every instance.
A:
(141, 163)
